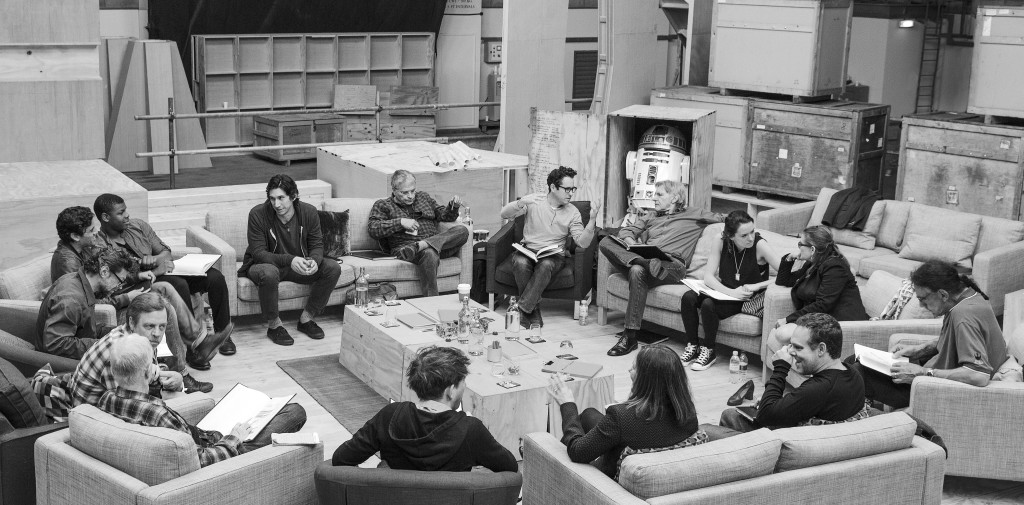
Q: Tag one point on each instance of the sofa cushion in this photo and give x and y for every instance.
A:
(881, 287)
(151, 455)
(892, 263)
(565, 278)
(334, 228)
(862, 239)
(741, 457)
(711, 233)
(941, 234)
(996, 232)
(855, 254)
(358, 217)
(810, 446)
(14, 341)
(248, 291)
(894, 224)
(398, 270)
(230, 225)
(18, 402)
(26, 281)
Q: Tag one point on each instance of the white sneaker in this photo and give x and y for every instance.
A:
(689, 354)
(705, 360)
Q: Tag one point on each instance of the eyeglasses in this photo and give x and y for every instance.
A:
(120, 280)
(569, 189)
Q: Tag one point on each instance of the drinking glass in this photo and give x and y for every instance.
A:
(376, 302)
(514, 365)
(391, 317)
(498, 370)
(535, 330)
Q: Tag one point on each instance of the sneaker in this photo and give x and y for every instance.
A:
(280, 336)
(689, 354)
(193, 385)
(310, 328)
(704, 360)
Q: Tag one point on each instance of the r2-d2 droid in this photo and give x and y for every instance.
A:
(663, 155)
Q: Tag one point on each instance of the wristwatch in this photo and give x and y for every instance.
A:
(930, 372)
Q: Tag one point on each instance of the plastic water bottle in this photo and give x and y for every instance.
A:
(584, 318)
(512, 320)
(362, 289)
(467, 220)
(465, 321)
(734, 367)
(743, 366)
(476, 334)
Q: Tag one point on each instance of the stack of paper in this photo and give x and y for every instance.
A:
(879, 361)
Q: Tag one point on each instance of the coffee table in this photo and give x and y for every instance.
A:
(379, 356)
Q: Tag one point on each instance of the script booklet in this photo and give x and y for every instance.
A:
(575, 368)
(699, 286)
(544, 252)
(194, 264)
(643, 250)
(747, 411)
(243, 404)
(879, 361)
(295, 438)
(371, 254)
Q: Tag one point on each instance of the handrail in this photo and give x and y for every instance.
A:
(194, 152)
(370, 108)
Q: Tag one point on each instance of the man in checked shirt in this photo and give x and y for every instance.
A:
(406, 225)
(131, 361)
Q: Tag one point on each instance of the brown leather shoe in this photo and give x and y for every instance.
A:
(207, 349)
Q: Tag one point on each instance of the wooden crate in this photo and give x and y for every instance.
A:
(793, 47)
(626, 126)
(297, 71)
(729, 168)
(364, 171)
(958, 162)
(797, 149)
(296, 129)
(997, 72)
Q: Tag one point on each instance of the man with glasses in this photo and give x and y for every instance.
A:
(550, 218)
(406, 225)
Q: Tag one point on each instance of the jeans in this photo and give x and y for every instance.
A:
(533, 278)
(213, 285)
(880, 387)
(711, 312)
(268, 277)
(289, 420)
(640, 278)
(735, 423)
(442, 245)
(178, 339)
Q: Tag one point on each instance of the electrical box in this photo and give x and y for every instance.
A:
(492, 51)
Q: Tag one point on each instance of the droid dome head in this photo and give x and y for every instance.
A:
(665, 137)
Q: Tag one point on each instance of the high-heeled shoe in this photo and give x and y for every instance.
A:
(745, 392)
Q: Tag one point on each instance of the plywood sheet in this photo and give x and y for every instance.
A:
(127, 135)
(353, 95)
(37, 123)
(633, 33)
(572, 139)
(458, 69)
(414, 95)
(533, 54)
(159, 89)
(65, 21)
(190, 134)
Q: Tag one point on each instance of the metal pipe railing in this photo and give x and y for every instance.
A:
(304, 146)
(350, 110)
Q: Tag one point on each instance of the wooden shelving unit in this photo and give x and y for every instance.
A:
(297, 72)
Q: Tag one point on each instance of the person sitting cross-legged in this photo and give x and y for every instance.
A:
(286, 244)
(833, 391)
(429, 434)
(406, 225)
(131, 364)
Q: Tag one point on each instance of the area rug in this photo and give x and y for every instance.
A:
(339, 391)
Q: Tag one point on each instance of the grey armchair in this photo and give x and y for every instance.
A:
(346, 485)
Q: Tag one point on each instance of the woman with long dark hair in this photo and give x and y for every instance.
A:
(737, 266)
(658, 413)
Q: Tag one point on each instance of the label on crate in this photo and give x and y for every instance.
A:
(797, 170)
(871, 128)
(783, 154)
(880, 142)
(986, 27)
(1005, 144)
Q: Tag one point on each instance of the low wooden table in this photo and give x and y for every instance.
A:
(379, 356)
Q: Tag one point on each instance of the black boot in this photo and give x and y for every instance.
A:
(627, 343)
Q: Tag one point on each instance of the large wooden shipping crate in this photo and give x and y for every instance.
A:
(296, 129)
(797, 149)
(793, 47)
(958, 162)
(625, 129)
(297, 71)
(997, 69)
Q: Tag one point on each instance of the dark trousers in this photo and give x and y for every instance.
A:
(733, 423)
(268, 277)
(442, 245)
(640, 278)
(880, 387)
(696, 308)
(213, 285)
(291, 419)
(532, 278)
(590, 418)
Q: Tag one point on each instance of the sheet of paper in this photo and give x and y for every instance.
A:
(880, 361)
(242, 404)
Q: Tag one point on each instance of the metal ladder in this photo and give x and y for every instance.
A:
(929, 69)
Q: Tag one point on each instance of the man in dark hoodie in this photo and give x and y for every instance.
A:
(285, 244)
(429, 434)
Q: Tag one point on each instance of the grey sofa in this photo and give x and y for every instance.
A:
(346, 485)
(877, 460)
(225, 234)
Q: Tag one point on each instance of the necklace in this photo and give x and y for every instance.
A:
(737, 263)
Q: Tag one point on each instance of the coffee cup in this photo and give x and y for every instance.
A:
(463, 292)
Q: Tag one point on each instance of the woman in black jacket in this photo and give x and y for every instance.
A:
(823, 284)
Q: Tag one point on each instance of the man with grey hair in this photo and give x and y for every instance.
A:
(406, 225)
(133, 369)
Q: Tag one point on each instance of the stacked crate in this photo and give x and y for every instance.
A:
(997, 72)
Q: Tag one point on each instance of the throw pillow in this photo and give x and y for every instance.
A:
(862, 239)
(17, 400)
(701, 437)
(940, 234)
(334, 227)
(810, 446)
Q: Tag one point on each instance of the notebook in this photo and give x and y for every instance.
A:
(575, 368)
(416, 320)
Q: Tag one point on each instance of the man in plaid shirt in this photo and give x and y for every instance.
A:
(133, 369)
(406, 225)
